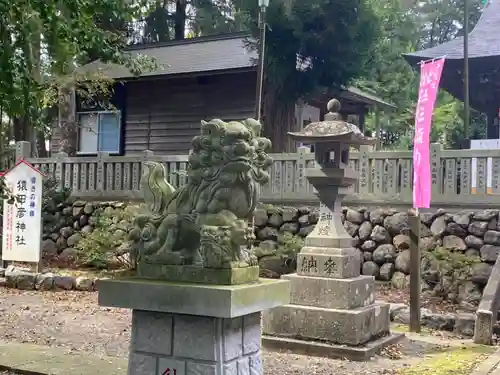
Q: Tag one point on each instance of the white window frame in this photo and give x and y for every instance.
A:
(97, 113)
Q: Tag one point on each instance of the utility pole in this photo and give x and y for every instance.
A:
(263, 4)
(466, 70)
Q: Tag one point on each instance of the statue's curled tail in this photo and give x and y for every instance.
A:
(156, 189)
(158, 193)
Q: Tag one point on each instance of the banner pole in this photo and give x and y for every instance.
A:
(415, 282)
(430, 75)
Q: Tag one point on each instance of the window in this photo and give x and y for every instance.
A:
(99, 131)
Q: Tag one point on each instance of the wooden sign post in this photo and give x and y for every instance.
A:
(415, 283)
(22, 225)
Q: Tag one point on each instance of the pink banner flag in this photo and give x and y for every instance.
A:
(430, 75)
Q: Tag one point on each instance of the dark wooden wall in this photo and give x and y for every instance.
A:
(163, 115)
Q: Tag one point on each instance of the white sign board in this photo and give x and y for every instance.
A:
(483, 144)
(22, 220)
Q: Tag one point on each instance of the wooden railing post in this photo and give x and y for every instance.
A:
(59, 169)
(23, 150)
(436, 170)
(300, 180)
(364, 169)
(100, 172)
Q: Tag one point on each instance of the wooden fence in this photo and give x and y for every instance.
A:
(460, 178)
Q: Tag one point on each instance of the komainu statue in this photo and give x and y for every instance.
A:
(205, 222)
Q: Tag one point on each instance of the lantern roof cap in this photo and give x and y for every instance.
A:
(332, 129)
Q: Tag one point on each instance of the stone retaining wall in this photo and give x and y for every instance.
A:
(381, 236)
(64, 225)
(26, 279)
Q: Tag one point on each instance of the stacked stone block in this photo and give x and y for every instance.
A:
(330, 301)
(174, 344)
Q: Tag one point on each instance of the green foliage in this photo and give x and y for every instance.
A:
(5, 193)
(288, 247)
(330, 39)
(441, 21)
(214, 16)
(107, 245)
(450, 268)
(53, 194)
(41, 44)
(67, 29)
(173, 19)
(407, 27)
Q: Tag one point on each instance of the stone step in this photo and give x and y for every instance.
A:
(331, 293)
(343, 327)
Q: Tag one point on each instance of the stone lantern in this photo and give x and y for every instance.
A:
(332, 140)
(332, 310)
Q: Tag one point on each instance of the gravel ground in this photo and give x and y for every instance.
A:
(74, 320)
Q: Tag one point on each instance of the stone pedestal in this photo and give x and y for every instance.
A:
(194, 329)
(332, 310)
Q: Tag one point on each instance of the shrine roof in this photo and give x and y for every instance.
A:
(484, 39)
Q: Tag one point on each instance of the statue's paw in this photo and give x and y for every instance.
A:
(248, 257)
(252, 260)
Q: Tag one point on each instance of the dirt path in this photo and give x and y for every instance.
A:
(74, 320)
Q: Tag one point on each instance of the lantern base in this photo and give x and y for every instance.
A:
(330, 302)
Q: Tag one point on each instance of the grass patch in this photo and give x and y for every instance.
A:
(455, 361)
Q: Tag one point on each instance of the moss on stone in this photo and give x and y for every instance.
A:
(403, 328)
(455, 361)
(194, 274)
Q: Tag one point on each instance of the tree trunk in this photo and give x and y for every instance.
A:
(21, 129)
(40, 144)
(24, 126)
(67, 126)
(180, 19)
(278, 120)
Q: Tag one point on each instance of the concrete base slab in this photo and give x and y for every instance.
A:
(343, 327)
(331, 293)
(329, 350)
(220, 301)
